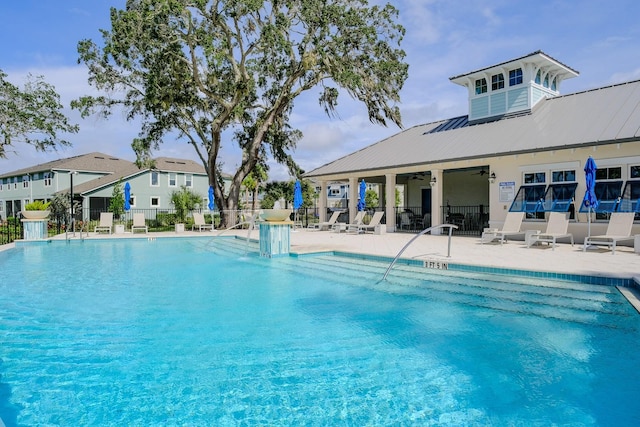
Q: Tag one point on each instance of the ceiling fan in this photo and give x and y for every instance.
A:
(418, 175)
(482, 172)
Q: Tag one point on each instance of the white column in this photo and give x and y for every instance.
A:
(436, 200)
(390, 201)
(322, 201)
(353, 198)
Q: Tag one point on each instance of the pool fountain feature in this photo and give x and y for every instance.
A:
(275, 232)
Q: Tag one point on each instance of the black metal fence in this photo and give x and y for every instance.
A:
(10, 230)
(471, 220)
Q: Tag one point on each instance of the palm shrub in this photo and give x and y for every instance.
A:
(184, 201)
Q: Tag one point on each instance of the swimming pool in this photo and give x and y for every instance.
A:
(200, 332)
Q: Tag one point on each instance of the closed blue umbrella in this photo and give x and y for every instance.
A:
(297, 196)
(363, 190)
(211, 203)
(127, 196)
(590, 199)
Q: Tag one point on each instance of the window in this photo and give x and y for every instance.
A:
(188, 180)
(535, 177)
(155, 202)
(47, 176)
(563, 176)
(497, 82)
(609, 173)
(546, 81)
(634, 172)
(173, 179)
(25, 181)
(530, 196)
(553, 84)
(481, 86)
(538, 77)
(155, 178)
(15, 182)
(630, 199)
(515, 77)
(558, 197)
(132, 201)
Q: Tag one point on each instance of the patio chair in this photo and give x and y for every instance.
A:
(106, 222)
(199, 222)
(618, 230)
(326, 225)
(139, 223)
(363, 228)
(357, 220)
(556, 229)
(511, 227)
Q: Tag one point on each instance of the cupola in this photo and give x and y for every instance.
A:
(513, 87)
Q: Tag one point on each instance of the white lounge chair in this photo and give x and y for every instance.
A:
(618, 230)
(556, 229)
(326, 225)
(199, 222)
(106, 222)
(357, 220)
(139, 223)
(363, 228)
(511, 227)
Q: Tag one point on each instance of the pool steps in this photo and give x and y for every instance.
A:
(544, 297)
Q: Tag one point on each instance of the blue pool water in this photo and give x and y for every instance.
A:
(201, 332)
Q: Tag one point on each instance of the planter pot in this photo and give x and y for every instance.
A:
(179, 228)
(119, 229)
(36, 214)
(275, 214)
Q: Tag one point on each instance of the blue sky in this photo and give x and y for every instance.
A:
(600, 39)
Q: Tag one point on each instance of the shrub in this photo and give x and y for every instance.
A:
(37, 205)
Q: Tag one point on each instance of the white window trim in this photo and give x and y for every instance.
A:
(151, 201)
(175, 175)
(188, 180)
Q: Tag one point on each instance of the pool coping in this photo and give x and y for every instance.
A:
(628, 286)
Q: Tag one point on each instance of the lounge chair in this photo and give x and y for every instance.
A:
(106, 222)
(199, 222)
(363, 228)
(139, 223)
(618, 230)
(556, 229)
(326, 225)
(511, 227)
(357, 220)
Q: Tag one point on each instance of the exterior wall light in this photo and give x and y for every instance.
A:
(492, 178)
(433, 182)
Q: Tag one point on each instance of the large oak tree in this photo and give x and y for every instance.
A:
(210, 68)
(32, 115)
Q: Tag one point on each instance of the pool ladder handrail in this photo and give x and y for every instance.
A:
(426, 230)
(66, 231)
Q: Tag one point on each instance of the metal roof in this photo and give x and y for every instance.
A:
(605, 115)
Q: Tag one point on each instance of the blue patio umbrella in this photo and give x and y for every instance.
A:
(211, 203)
(297, 196)
(127, 196)
(363, 190)
(590, 199)
(297, 199)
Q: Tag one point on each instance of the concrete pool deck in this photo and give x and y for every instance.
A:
(464, 250)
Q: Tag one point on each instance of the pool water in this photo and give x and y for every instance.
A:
(203, 332)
